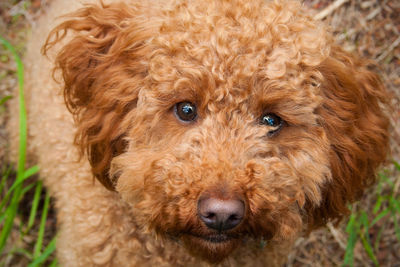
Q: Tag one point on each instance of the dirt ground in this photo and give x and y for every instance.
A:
(369, 27)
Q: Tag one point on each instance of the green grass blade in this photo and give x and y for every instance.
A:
(364, 235)
(35, 205)
(23, 252)
(25, 189)
(51, 247)
(364, 221)
(22, 110)
(15, 185)
(386, 180)
(11, 211)
(368, 247)
(394, 204)
(8, 218)
(6, 173)
(31, 171)
(54, 263)
(352, 229)
(381, 183)
(5, 201)
(39, 241)
(378, 237)
(28, 173)
(396, 225)
(380, 216)
(5, 99)
(378, 204)
(397, 165)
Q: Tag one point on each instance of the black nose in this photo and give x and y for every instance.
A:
(219, 214)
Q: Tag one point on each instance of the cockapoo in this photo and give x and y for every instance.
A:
(205, 131)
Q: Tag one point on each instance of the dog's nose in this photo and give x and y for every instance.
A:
(219, 214)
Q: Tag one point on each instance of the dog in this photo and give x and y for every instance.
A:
(189, 133)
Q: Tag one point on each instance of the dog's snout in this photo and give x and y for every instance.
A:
(221, 215)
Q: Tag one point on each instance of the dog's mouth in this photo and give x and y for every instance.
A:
(211, 247)
(216, 238)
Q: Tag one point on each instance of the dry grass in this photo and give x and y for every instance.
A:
(368, 27)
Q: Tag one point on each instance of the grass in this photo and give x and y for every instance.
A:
(12, 196)
(385, 212)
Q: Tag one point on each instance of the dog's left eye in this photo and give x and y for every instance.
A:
(185, 111)
(273, 121)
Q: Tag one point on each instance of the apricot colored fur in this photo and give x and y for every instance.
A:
(127, 193)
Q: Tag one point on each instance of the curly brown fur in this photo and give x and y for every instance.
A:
(125, 66)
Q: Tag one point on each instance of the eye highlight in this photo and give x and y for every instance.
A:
(185, 111)
(273, 122)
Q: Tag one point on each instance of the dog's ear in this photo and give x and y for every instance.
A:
(353, 115)
(98, 61)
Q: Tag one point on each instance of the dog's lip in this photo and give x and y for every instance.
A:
(215, 238)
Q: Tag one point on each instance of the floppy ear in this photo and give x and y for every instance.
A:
(101, 73)
(353, 115)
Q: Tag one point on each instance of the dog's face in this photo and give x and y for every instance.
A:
(222, 122)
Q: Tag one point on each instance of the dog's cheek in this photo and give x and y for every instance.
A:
(155, 186)
(280, 188)
(129, 177)
(306, 150)
(276, 197)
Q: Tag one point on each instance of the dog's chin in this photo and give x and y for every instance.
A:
(212, 248)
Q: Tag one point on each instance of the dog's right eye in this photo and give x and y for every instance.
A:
(185, 111)
(273, 122)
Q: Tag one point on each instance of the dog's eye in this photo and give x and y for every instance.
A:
(273, 122)
(185, 111)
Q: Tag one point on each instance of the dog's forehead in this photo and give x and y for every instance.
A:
(229, 43)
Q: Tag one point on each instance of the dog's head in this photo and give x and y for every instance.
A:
(221, 122)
